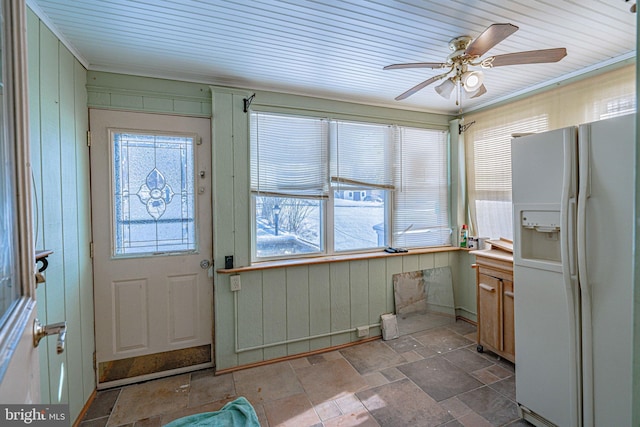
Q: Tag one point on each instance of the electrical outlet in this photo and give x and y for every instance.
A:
(363, 331)
(235, 282)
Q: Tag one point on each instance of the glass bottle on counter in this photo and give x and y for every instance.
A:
(464, 235)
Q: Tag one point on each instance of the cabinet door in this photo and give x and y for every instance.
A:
(489, 311)
(507, 319)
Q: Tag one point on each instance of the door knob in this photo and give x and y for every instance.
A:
(40, 331)
(204, 264)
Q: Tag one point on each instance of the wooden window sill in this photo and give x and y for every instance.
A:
(333, 258)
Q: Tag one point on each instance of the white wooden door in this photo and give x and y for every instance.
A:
(21, 382)
(19, 367)
(152, 240)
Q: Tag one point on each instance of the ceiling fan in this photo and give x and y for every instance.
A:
(466, 53)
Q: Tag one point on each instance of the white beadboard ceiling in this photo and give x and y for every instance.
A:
(336, 49)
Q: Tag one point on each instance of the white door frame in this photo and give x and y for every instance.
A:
(20, 382)
(157, 302)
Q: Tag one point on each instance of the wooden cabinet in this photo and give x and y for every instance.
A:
(508, 331)
(494, 287)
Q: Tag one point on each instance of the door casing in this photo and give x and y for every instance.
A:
(151, 310)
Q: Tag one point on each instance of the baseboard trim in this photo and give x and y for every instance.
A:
(464, 314)
(315, 352)
(296, 356)
(85, 408)
(469, 321)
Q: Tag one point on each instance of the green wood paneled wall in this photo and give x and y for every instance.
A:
(108, 90)
(288, 304)
(60, 160)
(309, 305)
(302, 304)
(464, 290)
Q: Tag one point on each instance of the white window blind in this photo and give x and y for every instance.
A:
(492, 167)
(362, 155)
(289, 156)
(362, 177)
(421, 201)
(488, 141)
(383, 185)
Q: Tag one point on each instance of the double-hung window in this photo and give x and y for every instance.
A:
(361, 162)
(321, 187)
(289, 184)
(421, 200)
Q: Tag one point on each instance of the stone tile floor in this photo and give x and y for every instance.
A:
(428, 378)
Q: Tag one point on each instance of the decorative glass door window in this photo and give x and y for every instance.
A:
(153, 193)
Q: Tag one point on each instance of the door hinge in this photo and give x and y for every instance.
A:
(90, 249)
(95, 363)
(88, 138)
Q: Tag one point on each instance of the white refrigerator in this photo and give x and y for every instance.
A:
(573, 211)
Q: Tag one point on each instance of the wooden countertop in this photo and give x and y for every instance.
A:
(496, 254)
(335, 258)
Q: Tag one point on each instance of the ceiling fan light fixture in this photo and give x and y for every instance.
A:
(467, 53)
(478, 92)
(472, 80)
(445, 88)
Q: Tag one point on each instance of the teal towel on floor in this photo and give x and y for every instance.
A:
(238, 413)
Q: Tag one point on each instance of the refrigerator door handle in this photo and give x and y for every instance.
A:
(585, 287)
(571, 242)
(566, 255)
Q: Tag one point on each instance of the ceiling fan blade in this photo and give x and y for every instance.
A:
(529, 57)
(419, 86)
(489, 38)
(417, 65)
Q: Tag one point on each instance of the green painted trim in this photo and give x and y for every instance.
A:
(231, 90)
(355, 117)
(319, 107)
(60, 162)
(107, 89)
(147, 84)
(120, 91)
(635, 359)
(146, 94)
